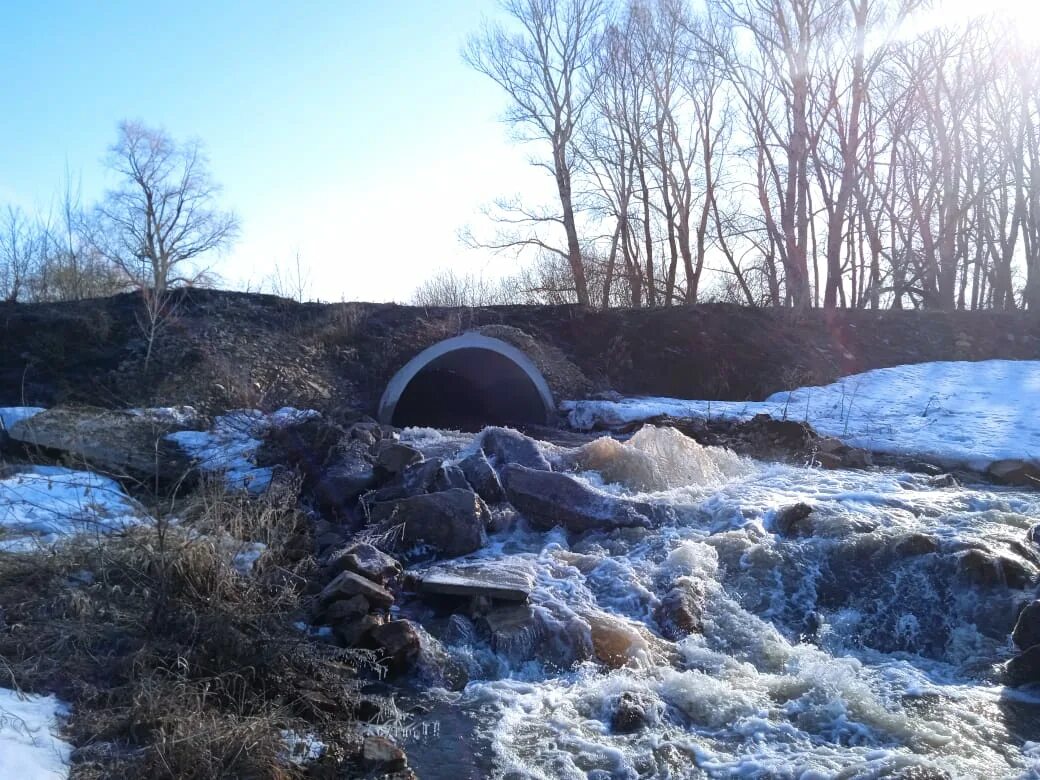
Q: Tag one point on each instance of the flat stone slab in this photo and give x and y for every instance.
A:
(477, 579)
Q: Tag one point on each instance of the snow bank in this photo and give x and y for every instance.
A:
(9, 415)
(230, 446)
(42, 503)
(957, 413)
(29, 747)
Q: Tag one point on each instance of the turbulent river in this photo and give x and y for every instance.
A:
(865, 644)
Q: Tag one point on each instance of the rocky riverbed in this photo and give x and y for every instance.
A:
(675, 600)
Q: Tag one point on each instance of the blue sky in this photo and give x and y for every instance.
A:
(350, 131)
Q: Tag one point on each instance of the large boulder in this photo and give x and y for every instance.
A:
(349, 474)
(505, 446)
(1027, 628)
(1024, 668)
(548, 499)
(986, 568)
(1023, 473)
(433, 475)
(446, 524)
(115, 442)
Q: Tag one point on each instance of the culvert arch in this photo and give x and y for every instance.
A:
(467, 382)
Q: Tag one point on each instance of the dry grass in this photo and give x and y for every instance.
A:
(177, 666)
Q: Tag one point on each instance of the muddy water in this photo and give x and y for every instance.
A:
(863, 642)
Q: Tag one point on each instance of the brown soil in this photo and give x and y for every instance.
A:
(221, 349)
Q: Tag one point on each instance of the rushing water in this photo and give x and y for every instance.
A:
(866, 649)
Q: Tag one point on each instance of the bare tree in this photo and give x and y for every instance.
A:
(164, 214)
(21, 245)
(161, 219)
(546, 69)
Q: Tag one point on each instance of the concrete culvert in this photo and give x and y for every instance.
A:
(465, 383)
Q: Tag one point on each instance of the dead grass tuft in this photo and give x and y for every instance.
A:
(175, 664)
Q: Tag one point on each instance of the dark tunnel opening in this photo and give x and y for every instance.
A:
(466, 389)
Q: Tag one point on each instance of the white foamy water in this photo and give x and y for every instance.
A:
(868, 648)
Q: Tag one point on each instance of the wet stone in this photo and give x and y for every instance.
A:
(504, 446)
(629, 715)
(1024, 668)
(399, 642)
(482, 477)
(347, 584)
(681, 610)
(1027, 628)
(380, 753)
(345, 610)
(366, 560)
(914, 544)
(394, 457)
(494, 582)
(445, 524)
(548, 499)
(793, 521)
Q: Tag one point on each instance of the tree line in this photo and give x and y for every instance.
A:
(834, 153)
(145, 234)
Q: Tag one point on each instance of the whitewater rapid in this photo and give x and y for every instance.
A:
(861, 647)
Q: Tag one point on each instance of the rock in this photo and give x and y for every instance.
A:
(399, 642)
(394, 457)
(629, 715)
(357, 632)
(341, 483)
(306, 445)
(482, 477)
(614, 642)
(382, 754)
(345, 610)
(913, 544)
(511, 629)
(794, 521)
(429, 476)
(1027, 628)
(788, 433)
(1033, 535)
(369, 431)
(1024, 668)
(327, 540)
(366, 560)
(111, 441)
(448, 524)
(491, 581)
(1022, 473)
(548, 499)
(681, 610)
(985, 568)
(505, 446)
(436, 667)
(347, 584)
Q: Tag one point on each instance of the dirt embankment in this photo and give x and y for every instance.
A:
(220, 350)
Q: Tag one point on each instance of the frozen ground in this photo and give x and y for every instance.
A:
(962, 413)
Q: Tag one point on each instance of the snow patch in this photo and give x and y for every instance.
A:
(230, 446)
(9, 415)
(29, 746)
(43, 503)
(957, 413)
